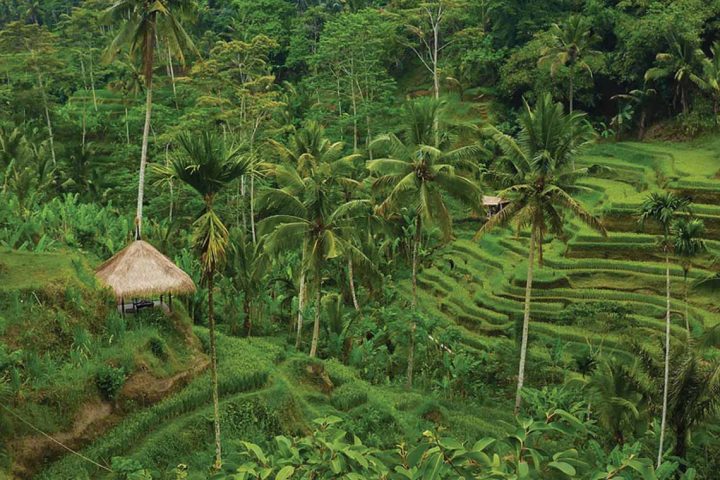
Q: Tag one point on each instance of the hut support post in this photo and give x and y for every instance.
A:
(122, 306)
(170, 306)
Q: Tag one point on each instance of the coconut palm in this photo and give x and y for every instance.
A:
(538, 170)
(694, 395)
(681, 61)
(709, 79)
(419, 176)
(143, 24)
(207, 165)
(571, 46)
(662, 208)
(248, 268)
(309, 214)
(687, 245)
(618, 393)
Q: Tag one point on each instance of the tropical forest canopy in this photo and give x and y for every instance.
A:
(431, 239)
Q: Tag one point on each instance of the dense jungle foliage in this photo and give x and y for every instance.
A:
(443, 239)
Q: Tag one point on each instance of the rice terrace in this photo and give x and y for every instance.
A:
(359, 239)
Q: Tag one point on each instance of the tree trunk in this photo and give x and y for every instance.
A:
(92, 84)
(171, 70)
(681, 446)
(641, 131)
(411, 349)
(352, 285)
(127, 126)
(301, 306)
(572, 91)
(526, 324)
(148, 63)
(47, 118)
(667, 359)
(213, 374)
(248, 318)
(416, 246)
(252, 208)
(316, 326)
(687, 304)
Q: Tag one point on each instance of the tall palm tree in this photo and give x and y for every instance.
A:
(419, 175)
(539, 173)
(308, 213)
(307, 150)
(662, 208)
(709, 79)
(145, 22)
(571, 46)
(681, 61)
(207, 165)
(688, 244)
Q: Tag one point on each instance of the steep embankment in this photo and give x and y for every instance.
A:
(70, 366)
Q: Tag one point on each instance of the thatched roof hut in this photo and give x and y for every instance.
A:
(491, 201)
(140, 270)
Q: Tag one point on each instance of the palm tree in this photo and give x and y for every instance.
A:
(144, 22)
(641, 98)
(618, 393)
(307, 149)
(419, 175)
(538, 170)
(694, 395)
(207, 165)
(571, 45)
(248, 265)
(308, 213)
(680, 62)
(662, 209)
(688, 244)
(709, 79)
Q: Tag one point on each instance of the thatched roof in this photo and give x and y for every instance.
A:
(140, 269)
(490, 201)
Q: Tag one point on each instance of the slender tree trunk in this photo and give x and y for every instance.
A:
(687, 303)
(526, 324)
(51, 137)
(170, 184)
(572, 91)
(641, 131)
(681, 446)
(242, 195)
(411, 349)
(316, 326)
(248, 318)
(252, 208)
(352, 285)
(416, 246)
(92, 84)
(667, 359)
(301, 306)
(213, 374)
(148, 62)
(171, 70)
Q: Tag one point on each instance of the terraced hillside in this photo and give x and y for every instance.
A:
(592, 293)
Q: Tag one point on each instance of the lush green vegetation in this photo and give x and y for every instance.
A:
(363, 311)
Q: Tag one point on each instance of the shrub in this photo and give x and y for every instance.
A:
(349, 396)
(109, 381)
